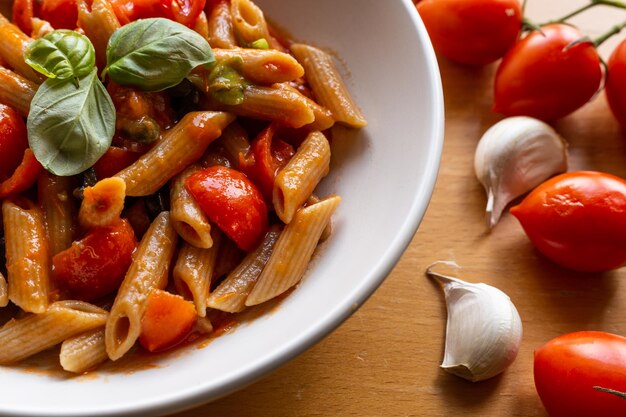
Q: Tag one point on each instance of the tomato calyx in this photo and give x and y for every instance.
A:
(611, 391)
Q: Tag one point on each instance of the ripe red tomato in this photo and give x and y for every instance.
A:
(615, 86)
(545, 76)
(13, 141)
(473, 32)
(185, 12)
(569, 368)
(231, 201)
(95, 266)
(578, 220)
(62, 14)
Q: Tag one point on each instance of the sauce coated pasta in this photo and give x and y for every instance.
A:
(157, 170)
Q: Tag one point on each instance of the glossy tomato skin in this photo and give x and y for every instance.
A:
(185, 12)
(578, 220)
(13, 141)
(545, 77)
(568, 368)
(472, 32)
(62, 14)
(615, 87)
(231, 201)
(95, 266)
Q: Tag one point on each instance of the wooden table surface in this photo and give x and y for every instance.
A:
(384, 361)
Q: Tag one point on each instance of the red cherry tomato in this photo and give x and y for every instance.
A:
(473, 32)
(95, 266)
(113, 161)
(185, 12)
(573, 372)
(62, 14)
(13, 140)
(24, 176)
(578, 220)
(231, 201)
(616, 83)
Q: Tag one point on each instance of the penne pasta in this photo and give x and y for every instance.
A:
(84, 351)
(187, 218)
(4, 292)
(98, 22)
(149, 270)
(55, 198)
(328, 230)
(228, 258)
(293, 251)
(38, 332)
(28, 264)
(202, 26)
(265, 67)
(16, 91)
(235, 141)
(103, 203)
(248, 22)
(297, 180)
(323, 117)
(179, 147)
(220, 22)
(193, 272)
(327, 85)
(40, 28)
(231, 294)
(12, 47)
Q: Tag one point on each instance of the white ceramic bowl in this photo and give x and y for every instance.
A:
(385, 175)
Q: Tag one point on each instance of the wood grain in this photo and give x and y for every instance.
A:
(384, 360)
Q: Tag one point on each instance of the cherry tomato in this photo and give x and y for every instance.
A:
(578, 220)
(231, 201)
(573, 372)
(185, 12)
(113, 161)
(546, 76)
(473, 32)
(23, 12)
(24, 176)
(615, 86)
(95, 266)
(13, 140)
(62, 14)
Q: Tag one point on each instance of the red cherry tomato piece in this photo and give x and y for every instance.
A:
(62, 14)
(23, 12)
(95, 266)
(24, 176)
(13, 140)
(546, 76)
(616, 83)
(473, 32)
(231, 201)
(571, 371)
(185, 12)
(113, 161)
(578, 220)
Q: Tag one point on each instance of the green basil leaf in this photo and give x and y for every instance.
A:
(69, 127)
(155, 54)
(61, 54)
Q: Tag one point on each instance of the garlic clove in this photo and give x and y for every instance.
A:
(514, 156)
(483, 330)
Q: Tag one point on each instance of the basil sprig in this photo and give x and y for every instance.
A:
(155, 54)
(61, 54)
(69, 127)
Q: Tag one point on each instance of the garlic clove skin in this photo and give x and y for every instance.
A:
(514, 156)
(483, 330)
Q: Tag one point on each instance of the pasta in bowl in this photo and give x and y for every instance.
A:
(191, 154)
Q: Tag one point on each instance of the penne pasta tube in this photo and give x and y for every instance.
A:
(235, 141)
(327, 85)
(38, 332)
(98, 22)
(263, 66)
(28, 264)
(193, 273)
(328, 230)
(271, 103)
(40, 28)
(16, 91)
(293, 250)
(103, 203)
(295, 183)
(248, 22)
(187, 218)
(4, 292)
(55, 197)
(12, 47)
(179, 147)
(221, 31)
(229, 257)
(231, 294)
(202, 26)
(149, 270)
(84, 351)
(323, 117)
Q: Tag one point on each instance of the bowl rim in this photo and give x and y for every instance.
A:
(198, 395)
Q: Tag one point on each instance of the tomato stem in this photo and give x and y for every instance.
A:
(613, 31)
(611, 391)
(593, 3)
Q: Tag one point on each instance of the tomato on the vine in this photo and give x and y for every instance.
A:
(615, 87)
(548, 74)
(578, 220)
(473, 32)
(582, 374)
(185, 12)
